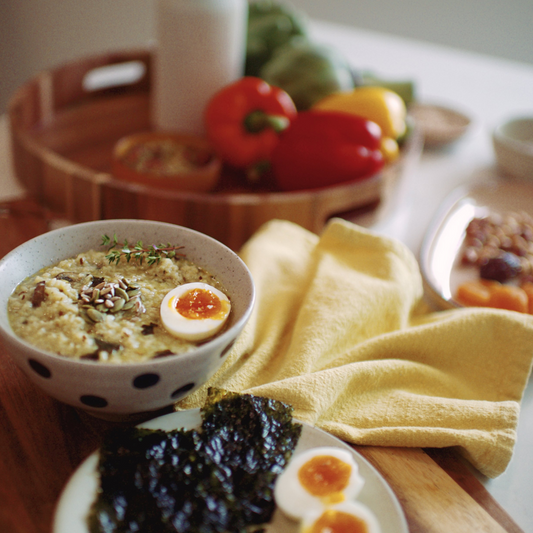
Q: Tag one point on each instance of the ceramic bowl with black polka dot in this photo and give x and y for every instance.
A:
(119, 390)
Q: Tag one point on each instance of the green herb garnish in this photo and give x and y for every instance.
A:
(152, 254)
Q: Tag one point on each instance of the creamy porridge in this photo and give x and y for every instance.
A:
(87, 308)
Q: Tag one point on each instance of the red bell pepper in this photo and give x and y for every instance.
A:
(323, 148)
(243, 121)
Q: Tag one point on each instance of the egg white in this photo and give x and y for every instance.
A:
(352, 508)
(186, 328)
(295, 501)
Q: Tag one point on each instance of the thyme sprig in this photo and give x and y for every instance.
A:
(138, 252)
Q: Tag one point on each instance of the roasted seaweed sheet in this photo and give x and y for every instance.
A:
(219, 478)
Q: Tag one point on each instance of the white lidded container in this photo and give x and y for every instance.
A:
(201, 47)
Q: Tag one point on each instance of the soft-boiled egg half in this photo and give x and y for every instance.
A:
(346, 517)
(194, 311)
(315, 479)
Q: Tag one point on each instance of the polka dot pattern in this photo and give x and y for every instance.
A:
(179, 393)
(40, 369)
(145, 381)
(227, 349)
(93, 401)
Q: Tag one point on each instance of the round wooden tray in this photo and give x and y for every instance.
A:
(65, 122)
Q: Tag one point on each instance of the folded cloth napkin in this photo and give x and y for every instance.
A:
(340, 332)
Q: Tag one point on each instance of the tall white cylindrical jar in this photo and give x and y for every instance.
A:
(201, 47)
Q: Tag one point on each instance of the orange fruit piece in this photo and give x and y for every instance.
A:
(509, 297)
(473, 293)
(527, 287)
(488, 293)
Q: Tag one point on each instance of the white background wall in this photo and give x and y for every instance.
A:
(38, 34)
(502, 28)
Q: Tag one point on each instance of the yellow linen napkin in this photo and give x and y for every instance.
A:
(341, 333)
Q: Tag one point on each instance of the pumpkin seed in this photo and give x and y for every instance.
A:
(83, 314)
(129, 304)
(119, 304)
(95, 315)
(122, 293)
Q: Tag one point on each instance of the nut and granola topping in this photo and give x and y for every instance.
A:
(507, 238)
(106, 297)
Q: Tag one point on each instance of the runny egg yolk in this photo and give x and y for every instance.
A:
(198, 304)
(335, 521)
(347, 517)
(194, 311)
(325, 476)
(317, 478)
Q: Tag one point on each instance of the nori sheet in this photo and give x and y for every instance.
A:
(219, 478)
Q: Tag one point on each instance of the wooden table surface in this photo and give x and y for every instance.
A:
(43, 441)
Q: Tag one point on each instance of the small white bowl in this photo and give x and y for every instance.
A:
(439, 125)
(513, 146)
(127, 390)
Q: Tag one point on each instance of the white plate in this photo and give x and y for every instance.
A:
(80, 491)
(440, 253)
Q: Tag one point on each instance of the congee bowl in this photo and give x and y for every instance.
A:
(124, 390)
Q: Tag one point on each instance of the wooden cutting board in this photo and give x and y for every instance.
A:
(438, 492)
(44, 441)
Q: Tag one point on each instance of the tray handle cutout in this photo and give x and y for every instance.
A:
(115, 75)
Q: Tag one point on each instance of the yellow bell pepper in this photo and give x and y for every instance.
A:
(378, 104)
